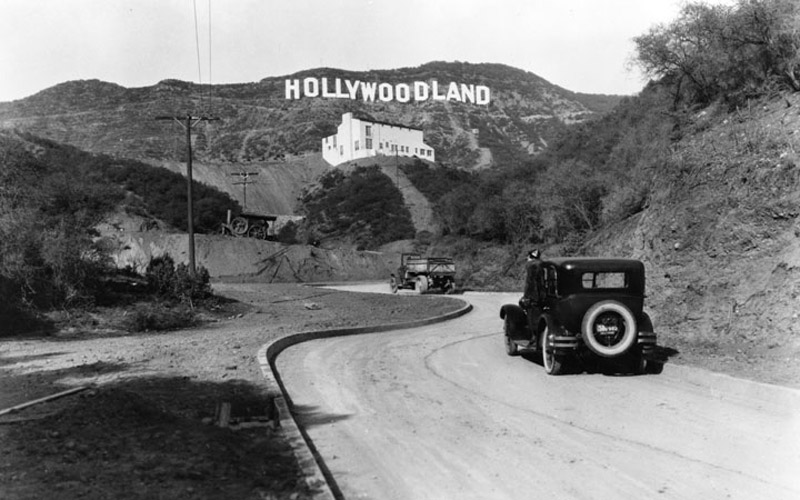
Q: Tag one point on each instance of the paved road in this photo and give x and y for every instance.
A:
(441, 412)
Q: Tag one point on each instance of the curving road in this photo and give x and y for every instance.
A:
(441, 412)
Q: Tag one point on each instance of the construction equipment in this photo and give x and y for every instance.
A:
(250, 224)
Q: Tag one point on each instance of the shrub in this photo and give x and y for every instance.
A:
(157, 317)
(288, 233)
(364, 205)
(160, 274)
(718, 50)
(177, 283)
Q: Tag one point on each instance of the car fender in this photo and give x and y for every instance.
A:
(517, 319)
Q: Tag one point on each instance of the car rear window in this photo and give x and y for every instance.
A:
(604, 280)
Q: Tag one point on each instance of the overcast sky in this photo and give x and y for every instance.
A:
(581, 45)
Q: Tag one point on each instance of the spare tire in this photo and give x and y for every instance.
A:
(609, 328)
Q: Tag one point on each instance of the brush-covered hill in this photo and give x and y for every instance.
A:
(261, 131)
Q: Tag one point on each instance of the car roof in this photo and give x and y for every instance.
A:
(596, 263)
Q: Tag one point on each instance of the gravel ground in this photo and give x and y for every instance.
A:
(145, 426)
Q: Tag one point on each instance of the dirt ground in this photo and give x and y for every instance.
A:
(146, 426)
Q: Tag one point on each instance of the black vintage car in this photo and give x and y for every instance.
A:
(590, 310)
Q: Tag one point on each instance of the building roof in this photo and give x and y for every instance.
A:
(365, 118)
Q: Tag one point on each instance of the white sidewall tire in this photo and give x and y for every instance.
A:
(587, 328)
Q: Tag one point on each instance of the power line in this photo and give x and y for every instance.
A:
(209, 42)
(245, 176)
(197, 43)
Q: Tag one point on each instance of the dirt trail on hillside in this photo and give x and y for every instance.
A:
(419, 206)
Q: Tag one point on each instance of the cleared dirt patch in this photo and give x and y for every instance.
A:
(146, 429)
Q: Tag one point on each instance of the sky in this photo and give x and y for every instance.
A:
(581, 45)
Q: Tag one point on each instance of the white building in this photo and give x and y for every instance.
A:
(356, 138)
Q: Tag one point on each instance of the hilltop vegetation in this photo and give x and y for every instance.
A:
(363, 207)
(52, 199)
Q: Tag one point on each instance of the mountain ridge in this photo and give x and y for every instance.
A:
(522, 103)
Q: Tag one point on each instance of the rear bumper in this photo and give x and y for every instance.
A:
(568, 344)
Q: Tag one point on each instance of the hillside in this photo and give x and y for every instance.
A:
(720, 236)
(260, 130)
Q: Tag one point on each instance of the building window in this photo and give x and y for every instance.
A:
(341, 150)
(355, 144)
(368, 131)
(334, 140)
(367, 143)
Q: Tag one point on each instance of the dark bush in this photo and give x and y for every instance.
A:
(288, 233)
(177, 283)
(364, 205)
(159, 317)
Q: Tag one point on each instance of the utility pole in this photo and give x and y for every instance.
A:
(245, 176)
(187, 122)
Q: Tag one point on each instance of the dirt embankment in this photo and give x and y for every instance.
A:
(250, 259)
(720, 237)
(271, 187)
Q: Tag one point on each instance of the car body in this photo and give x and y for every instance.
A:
(591, 310)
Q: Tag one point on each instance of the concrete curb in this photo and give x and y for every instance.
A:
(318, 476)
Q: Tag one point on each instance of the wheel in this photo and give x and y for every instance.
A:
(638, 363)
(654, 367)
(609, 329)
(553, 364)
(258, 231)
(393, 285)
(421, 284)
(511, 346)
(239, 226)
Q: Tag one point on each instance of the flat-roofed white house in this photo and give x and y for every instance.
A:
(359, 138)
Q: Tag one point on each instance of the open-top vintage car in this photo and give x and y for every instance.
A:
(589, 310)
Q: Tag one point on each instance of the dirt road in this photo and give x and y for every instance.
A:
(442, 412)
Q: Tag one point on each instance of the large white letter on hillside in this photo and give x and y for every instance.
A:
(311, 87)
(352, 88)
(293, 89)
(436, 95)
(483, 94)
(452, 92)
(402, 92)
(325, 91)
(385, 92)
(368, 90)
(468, 93)
(421, 91)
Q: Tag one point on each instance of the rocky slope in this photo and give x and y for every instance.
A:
(721, 236)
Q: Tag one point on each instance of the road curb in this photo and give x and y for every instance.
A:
(318, 476)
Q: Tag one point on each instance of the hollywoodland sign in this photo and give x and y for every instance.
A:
(386, 92)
